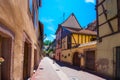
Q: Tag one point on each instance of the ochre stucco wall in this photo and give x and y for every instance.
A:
(69, 59)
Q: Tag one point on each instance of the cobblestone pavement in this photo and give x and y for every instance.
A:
(48, 71)
(52, 71)
(79, 75)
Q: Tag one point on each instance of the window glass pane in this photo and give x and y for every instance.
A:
(30, 5)
(35, 19)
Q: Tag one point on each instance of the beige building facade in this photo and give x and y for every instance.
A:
(108, 47)
(19, 45)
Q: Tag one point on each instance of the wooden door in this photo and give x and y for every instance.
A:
(117, 63)
(76, 59)
(27, 61)
(6, 54)
(35, 59)
(90, 60)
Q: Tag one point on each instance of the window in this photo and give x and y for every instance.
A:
(93, 39)
(31, 5)
(63, 44)
(39, 3)
(35, 19)
(68, 42)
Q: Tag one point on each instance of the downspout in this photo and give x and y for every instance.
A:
(97, 22)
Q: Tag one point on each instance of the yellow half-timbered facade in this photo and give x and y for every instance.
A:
(78, 38)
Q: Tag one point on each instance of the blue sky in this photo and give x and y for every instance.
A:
(51, 13)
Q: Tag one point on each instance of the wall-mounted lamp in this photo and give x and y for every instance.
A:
(80, 55)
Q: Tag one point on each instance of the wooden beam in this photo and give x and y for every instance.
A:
(81, 38)
(98, 4)
(74, 40)
(69, 41)
(109, 34)
(78, 38)
(107, 18)
(118, 12)
(97, 21)
(104, 11)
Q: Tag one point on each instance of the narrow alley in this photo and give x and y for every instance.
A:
(59, 40)
(48, 70)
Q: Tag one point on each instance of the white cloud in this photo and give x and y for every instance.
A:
(53, 36)
(47, 20)
(49, 23)
(51, 28)
(90, 1)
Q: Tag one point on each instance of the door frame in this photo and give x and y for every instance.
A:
(26, 39)
(116, 70)
(35, 59)
(85, 51)
(6, 32)
(75, 61)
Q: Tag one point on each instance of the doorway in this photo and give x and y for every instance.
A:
(35, 59)
(117, 63)
(27, 61)
(90, 60)
(5, 53)
(76, 59)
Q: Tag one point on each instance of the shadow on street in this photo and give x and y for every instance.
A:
(63, 64)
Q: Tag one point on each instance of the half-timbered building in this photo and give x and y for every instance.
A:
(108, 28)
(76, 44)
(62, 32)
(79, 48)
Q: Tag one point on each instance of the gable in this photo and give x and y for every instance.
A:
(65, 32)
(71, 22)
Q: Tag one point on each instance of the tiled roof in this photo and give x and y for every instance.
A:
(82, 31)
(92, 26)
(71, 22)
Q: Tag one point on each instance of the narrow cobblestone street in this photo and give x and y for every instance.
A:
(48, 71)
(59, 40)
(52, 71)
